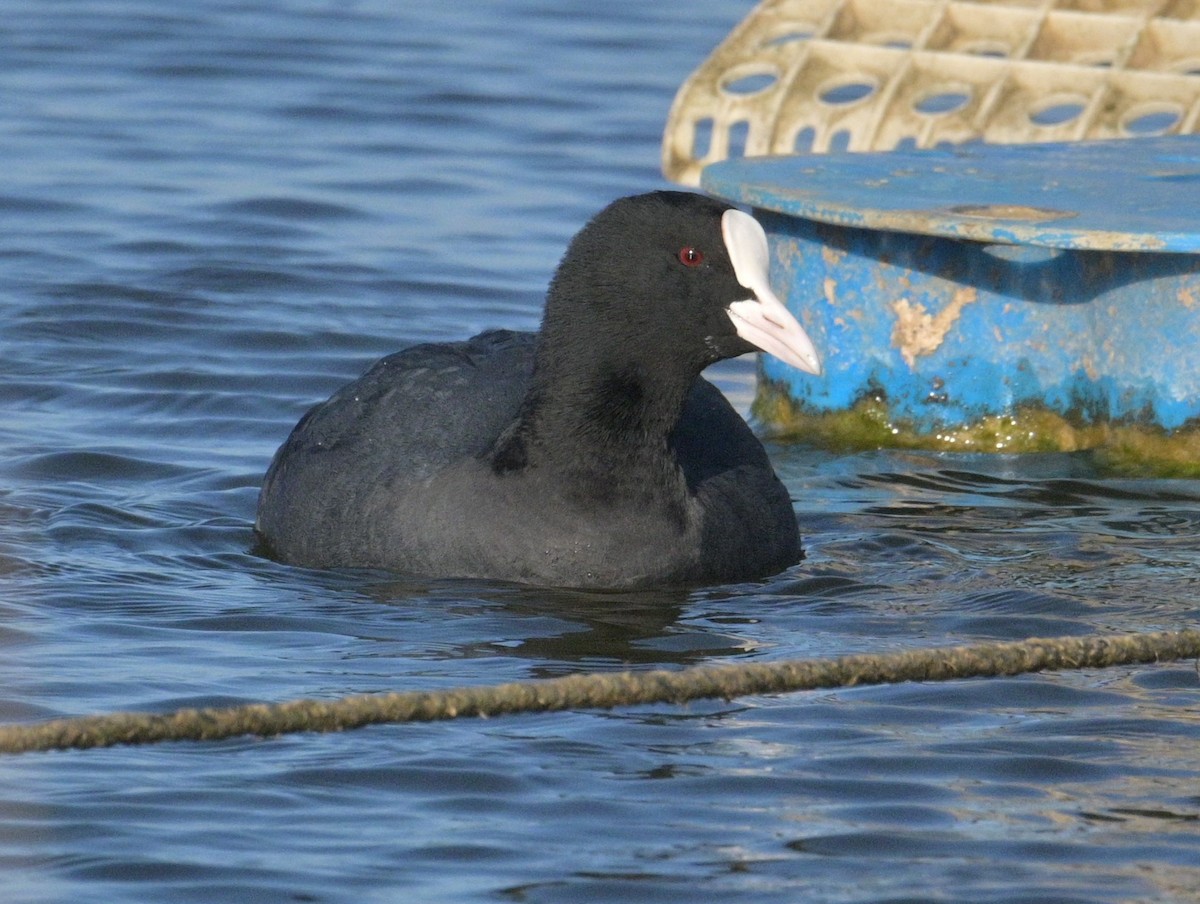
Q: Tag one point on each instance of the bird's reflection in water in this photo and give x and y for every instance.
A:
(559, 631)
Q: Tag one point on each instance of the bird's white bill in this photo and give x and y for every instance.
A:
(763, 320)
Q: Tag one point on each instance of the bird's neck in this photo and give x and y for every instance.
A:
(604, 423)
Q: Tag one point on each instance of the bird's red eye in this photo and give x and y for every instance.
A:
(691, 257)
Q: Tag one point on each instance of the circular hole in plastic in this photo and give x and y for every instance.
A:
(986, 48)
(702, 131)
(1151, 119)
(803, 141)
(940, 101)
(846, 91)
(739, 134)
(791, 33)
(896, 39)
(1057, 110)
(748, 82)
(1101, 59)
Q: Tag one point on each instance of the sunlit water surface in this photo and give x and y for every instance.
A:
(212, 214)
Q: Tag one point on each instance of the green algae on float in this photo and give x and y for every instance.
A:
(1124, 448)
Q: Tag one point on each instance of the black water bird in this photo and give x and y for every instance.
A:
(591, 454)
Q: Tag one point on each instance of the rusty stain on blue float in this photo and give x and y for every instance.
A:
(962, 282)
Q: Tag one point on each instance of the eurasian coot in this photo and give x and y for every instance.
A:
(591, 454)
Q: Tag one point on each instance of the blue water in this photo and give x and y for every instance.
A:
(212, 215)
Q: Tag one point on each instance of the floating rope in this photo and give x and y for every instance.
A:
(604, 691)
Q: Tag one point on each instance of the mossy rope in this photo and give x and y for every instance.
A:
(605, 691)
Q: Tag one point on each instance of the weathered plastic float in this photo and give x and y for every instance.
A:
(1012, 261)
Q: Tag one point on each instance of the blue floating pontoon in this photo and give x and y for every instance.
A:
(954, 286)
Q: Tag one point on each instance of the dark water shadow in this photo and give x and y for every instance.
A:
(1043, 276)
(557, 629)
(604, 630)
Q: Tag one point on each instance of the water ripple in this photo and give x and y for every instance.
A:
(213, 216)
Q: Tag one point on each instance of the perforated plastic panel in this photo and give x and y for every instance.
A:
(811, 76)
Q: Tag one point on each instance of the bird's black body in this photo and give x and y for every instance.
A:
(591, 454)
